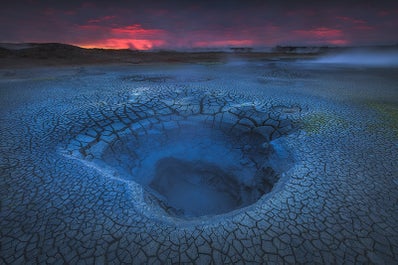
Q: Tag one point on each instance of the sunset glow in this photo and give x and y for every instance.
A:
(123, 44)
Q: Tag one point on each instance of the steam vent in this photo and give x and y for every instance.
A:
(233, 162)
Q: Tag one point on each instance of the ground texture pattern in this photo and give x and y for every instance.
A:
(335, 203)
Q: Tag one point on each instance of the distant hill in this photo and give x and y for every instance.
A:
(52, 50)
(59, 54)
(16, 46)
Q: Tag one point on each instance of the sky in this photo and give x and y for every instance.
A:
(150, 24)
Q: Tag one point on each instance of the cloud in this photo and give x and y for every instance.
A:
(137, 31)
(355, 24)
(185, 24)
(322, 35)
(101, 19)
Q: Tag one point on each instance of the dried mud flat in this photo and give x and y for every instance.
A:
(302, 156)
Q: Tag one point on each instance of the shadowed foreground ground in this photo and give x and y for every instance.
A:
(78, 145)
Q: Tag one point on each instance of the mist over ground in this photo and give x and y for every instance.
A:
(364, 57)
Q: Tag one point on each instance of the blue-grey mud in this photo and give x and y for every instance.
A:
(235, 162)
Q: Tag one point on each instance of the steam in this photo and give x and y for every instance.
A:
(377, 58)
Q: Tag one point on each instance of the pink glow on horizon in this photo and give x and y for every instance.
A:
(133, 44)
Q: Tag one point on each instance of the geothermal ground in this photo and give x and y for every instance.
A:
(234, 162)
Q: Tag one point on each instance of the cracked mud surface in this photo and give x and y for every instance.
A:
(80, 149)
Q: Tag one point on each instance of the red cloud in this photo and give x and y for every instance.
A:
(322, 35)
(91, 28)
(339, 42)
(137, 31)
(358, 23)
(323, 32)
(70, 12)
(326, 32)
(128, 37)
(364, 27)
(386, 13)
(49, 11)
(101, 19)
(352, 20)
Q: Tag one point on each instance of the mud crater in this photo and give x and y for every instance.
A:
(191, 160)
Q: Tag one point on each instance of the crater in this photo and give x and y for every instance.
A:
(194, 169)
(191, 159)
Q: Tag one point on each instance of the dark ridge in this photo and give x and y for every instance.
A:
(56, 54)
(50, 50)
(5, 52)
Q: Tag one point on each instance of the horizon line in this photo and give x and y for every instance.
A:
(209, 48)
